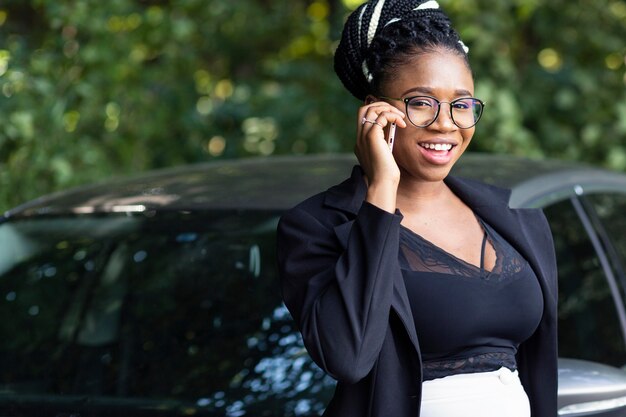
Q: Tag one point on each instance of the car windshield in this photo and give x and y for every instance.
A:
(170, 311)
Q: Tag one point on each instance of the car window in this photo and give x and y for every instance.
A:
(176, 312)
(589, 326)
(611, 210)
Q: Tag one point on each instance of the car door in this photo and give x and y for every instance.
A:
(591, 310)
(608, 212)
(589, 241)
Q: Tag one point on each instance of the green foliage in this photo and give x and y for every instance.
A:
(90, 89)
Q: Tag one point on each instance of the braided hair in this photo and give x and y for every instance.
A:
(381, 34)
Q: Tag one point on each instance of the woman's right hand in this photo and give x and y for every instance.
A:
(372, 151)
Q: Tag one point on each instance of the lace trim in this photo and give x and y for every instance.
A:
(420, 255)
(484, 362)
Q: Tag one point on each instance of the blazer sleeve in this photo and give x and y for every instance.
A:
(339, 292)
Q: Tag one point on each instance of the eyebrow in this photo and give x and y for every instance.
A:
(430, 91)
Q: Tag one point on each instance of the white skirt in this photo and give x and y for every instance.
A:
(483, 394)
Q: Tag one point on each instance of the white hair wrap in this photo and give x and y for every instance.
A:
(375, 21)
(361, 22)
(465, 48)
(432, 4)
(371, 30)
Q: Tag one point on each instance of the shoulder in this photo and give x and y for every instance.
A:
(327, 209)
(342, 200)
(491, 203)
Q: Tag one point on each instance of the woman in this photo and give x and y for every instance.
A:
(421, 293)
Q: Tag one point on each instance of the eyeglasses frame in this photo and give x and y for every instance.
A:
(439, 103)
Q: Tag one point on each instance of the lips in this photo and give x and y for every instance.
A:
(436, 152)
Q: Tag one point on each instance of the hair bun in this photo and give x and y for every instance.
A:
(362, 26)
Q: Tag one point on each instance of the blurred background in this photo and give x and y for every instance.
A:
(91, 89)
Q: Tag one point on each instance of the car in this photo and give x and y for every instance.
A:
(157, 295)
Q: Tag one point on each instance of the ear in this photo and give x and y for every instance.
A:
(370, 99)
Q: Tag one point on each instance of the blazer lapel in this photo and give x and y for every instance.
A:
(350, 194)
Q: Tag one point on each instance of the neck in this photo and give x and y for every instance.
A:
(416, 196)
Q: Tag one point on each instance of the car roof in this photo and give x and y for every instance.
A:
(277, 183)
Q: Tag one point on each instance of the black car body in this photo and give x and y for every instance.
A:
(157, 295)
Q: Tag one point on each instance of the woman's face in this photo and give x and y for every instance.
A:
(444, 75)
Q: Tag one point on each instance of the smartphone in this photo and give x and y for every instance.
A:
(391, 135)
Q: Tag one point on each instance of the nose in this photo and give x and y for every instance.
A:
(444, 121)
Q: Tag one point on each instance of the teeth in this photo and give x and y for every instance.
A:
(436, 146)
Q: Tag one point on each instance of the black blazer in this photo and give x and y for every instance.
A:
(342, 283)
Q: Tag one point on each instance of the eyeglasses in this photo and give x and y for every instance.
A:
(422, 111)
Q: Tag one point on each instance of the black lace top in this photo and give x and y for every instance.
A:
(469, 319)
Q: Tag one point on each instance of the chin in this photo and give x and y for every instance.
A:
(434, 174)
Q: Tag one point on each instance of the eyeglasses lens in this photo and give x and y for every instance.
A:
(422, 111)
